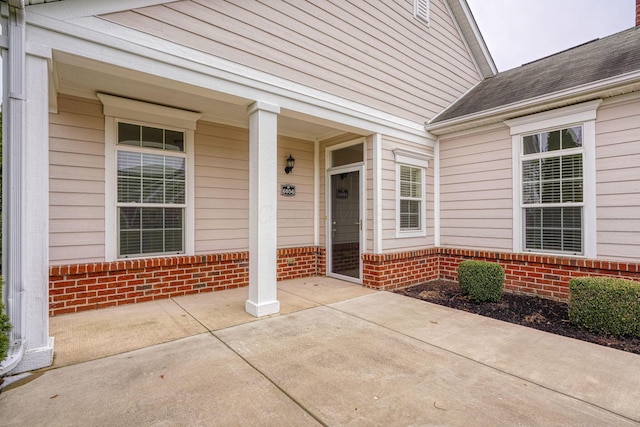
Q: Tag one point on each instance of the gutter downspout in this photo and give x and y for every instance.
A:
(14, 232)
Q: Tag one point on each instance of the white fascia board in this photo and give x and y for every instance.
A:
(467, 20)
(478, 36)
(91, 38)
(70, 9)
(576, 94)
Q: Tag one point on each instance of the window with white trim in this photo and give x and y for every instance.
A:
(151, 190)
(552, 190)
(149, 179)
(554, 184)
(411, 192)
(410, 211)
(421, 10)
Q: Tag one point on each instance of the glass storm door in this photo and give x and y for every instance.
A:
(345, 223)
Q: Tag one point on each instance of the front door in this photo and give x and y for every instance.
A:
(345, 223)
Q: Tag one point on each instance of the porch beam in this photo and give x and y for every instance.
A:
(263, 213)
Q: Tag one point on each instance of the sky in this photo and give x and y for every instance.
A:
(520, 31)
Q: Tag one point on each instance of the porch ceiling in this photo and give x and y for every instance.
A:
(85, 78)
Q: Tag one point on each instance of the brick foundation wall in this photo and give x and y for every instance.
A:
(546, 276)
(81, 287)
(399, 269)
(294, 263)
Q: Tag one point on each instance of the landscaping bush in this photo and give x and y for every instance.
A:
(481, 280)
(5, 327)
(605, 305)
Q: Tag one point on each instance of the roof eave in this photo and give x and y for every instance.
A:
(606, 88)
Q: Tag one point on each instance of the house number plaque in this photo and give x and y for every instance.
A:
(288, 190)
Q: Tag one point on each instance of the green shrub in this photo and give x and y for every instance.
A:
(5, 328)
(481, 280)
(605, 305)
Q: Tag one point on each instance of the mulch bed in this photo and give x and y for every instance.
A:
(534, 312)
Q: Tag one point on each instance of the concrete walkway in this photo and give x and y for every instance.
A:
(338, 354)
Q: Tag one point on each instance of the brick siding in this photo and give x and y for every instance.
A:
(81, 287)
(399, 269)
(546, 276)
(294, 263)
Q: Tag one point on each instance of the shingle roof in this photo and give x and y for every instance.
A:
(597, 60)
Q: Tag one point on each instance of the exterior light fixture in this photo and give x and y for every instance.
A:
(290, 164)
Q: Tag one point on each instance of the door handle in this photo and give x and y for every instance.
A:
(359, 223)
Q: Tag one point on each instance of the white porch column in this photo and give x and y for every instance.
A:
(263, 213)
(26, 211)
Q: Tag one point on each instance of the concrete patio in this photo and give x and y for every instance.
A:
(338, 354)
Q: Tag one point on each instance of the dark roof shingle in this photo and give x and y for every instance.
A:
(600, 59)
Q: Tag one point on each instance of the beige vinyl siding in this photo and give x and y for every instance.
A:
(618, 180)
(295, 214)
(222, 190)
(476, 190)
(76, 182)
(376, 54)
(390, 241)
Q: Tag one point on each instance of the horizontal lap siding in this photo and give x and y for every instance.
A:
(618, 180)
(390, 197)
(476, 190)
(374, 53)
(295, 213)
(76, 182)
(222, 190)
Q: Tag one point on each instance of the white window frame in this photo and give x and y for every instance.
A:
(421, 10)
(414, 160)
(140, 113)
(576, 115)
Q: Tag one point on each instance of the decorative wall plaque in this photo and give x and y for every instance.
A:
(288, 190)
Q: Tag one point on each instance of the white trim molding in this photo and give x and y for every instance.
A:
(116, 106)
(436, 194)
(412, 158)
(377, 193)
(417, 160)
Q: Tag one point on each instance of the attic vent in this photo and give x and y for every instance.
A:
(421, 10)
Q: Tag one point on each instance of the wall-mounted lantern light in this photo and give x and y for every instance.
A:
(290, 164)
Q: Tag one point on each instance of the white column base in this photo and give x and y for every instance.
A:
(262, 309)
(35, 358)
